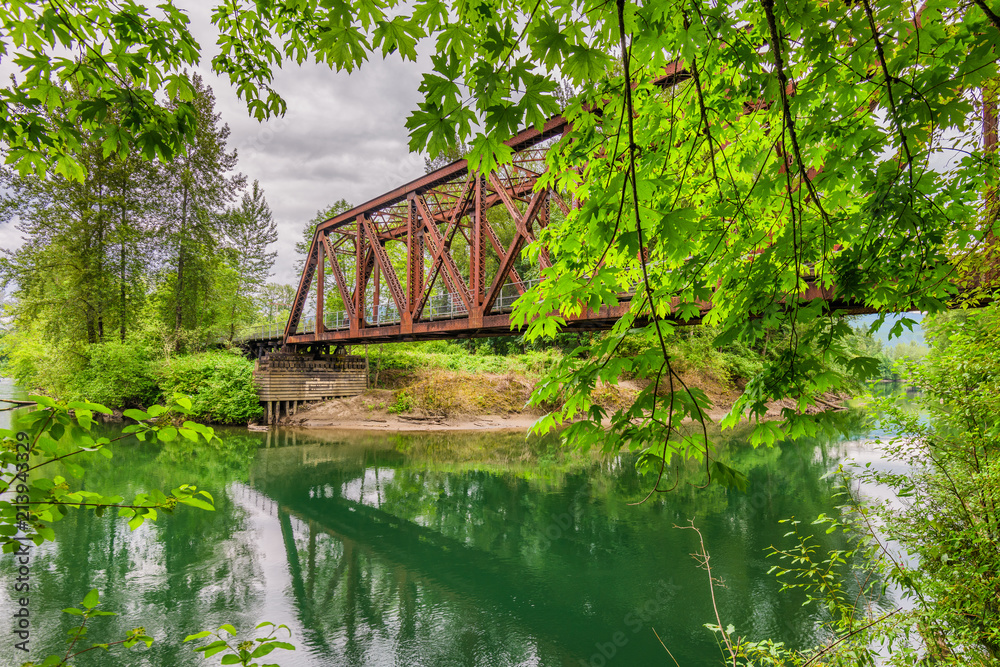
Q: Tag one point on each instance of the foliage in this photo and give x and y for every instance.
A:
(131, 374)
(245, 652)
(942, 480)
(274, 303)
(86, 611)
(126, 57)
(220, 384)
(120, 374)
(137, 246)
(36, 363)
(948, 517)
(891, 359)
(733, 153)
(450, 356)
(31, 500)
(403, 403)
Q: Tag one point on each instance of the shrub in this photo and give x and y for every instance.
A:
(403, 403)
(118, 374)
(454, 358)
(219, 383)
(41, 366)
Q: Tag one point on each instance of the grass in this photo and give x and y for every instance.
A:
(453, 357)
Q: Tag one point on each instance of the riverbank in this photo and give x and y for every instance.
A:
(437, 400)
(441, 400)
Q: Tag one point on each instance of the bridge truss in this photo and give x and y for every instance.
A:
(424, 261)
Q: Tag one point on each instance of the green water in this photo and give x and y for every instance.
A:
(445, 549)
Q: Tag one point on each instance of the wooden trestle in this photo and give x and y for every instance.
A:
(284, 381)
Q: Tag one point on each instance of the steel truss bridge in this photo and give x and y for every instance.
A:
(441, 224)
(434, 283)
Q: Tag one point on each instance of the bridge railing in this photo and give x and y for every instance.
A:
(448, 306)
(265, 332)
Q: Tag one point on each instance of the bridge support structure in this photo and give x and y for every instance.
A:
(285, 381)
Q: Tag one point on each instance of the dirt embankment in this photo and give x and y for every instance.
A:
(450, 400)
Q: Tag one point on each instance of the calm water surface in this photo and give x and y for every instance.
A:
(443, 549)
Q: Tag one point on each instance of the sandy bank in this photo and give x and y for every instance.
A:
(451, 401)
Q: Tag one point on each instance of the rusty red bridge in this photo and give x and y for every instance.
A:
(427, 260)
(439, 257)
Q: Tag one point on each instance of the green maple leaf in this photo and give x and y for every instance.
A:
(548, 42)
(344, 47)
(398, 34)
(584, 63)
(430, 129)
(538, 101)
(431, 14)
(505, 118)
(487, 152)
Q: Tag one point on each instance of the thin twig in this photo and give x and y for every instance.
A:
(665, 647)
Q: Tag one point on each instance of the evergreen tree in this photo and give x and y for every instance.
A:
(78, 269)
(250, 230)
(198, 186)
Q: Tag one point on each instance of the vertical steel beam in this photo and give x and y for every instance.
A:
(376, 277)
(320, 290)
(414, 267)
(477, 263)
(360, 276)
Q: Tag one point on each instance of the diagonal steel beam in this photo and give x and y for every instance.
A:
(498, 247)
(338, 275)
(383, 262)
(521, 236)
(560, 202)
(305, 282)
(441, 254)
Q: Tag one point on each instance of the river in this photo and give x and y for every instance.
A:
(431, 549)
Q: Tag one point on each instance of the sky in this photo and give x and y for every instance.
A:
(343, 136)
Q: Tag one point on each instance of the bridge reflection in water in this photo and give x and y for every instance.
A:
(399, 553)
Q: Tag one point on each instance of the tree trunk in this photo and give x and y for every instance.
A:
(121, 256)
(100, 264)
(180, 263)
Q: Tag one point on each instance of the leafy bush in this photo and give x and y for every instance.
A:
(442, 347)
(39, 365)
(219, 383)
(403, 403)
(118, 374)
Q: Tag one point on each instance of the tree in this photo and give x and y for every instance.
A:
(249, 230)
(309, 229)
(275, 302)
(86, 242)
(931, 533)
(737, 153)
(198, 186)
